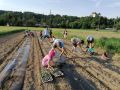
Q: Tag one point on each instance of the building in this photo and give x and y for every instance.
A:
(94, 14)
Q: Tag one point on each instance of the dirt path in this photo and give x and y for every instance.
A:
(37, 57)
(51, 85)
(9, 54)
(9, 37)
(105, 77)
(29, 82)
(32, 78)
(60, 83)
(12, 76)
(7, 47)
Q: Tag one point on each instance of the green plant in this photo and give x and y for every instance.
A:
(111, 45)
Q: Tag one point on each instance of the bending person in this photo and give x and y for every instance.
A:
(77, 42)
(47, 61)
(60, 45)
(90, 41)
(46, 33)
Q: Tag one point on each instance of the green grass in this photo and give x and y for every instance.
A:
(84, 33)
(71, 32)
(111, 45)
(9, 30)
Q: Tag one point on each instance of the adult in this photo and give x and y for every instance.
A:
(46, 33)
(60, 45)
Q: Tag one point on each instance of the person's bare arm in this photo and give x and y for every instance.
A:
(49, 66)
(62, 51)
(92, 45)
(82, 48)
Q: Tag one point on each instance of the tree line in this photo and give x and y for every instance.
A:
(14, 18)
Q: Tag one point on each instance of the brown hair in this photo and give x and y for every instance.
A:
(105, 53)
(54, 46)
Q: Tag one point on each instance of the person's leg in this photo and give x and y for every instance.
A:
(48, 37)
(65, 36)
(43, 36)
(65, 51)
(92, 43)
(88, 43)
(73, 48)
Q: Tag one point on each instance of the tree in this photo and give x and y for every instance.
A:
(30, 22)
(118, 26)
(57, 21)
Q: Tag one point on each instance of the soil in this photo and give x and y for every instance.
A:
(81, 71)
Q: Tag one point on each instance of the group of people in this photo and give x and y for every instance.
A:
(48, 62)
(57, 44)
(48, 59)
(89, 48)
(80, 43)
(29, 33)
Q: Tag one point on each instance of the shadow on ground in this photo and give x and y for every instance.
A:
(76, 81)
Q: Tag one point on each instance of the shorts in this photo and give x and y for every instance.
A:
(46, 36)
(45, 60)
(61, 44)
(74, 44)
(90, 41)
(65, 36)
(90, 51)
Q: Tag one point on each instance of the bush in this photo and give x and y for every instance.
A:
(111, 45)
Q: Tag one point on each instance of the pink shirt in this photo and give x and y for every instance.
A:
(45, 60)
(48, 57)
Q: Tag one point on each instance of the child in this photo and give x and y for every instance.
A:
(65, 33)
(90, 41)
(47, 60)
(104, 56)
(76, 42)
(90, 50)
(41, 34)
(59, 44)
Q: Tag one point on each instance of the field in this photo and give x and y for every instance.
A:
(72, 32)
(20, 61)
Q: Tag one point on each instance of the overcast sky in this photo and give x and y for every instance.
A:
(108, 8)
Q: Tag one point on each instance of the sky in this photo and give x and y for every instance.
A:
(108, 8)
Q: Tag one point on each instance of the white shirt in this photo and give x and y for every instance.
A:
(56, 41)
(46, 32)
(90, 38)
